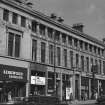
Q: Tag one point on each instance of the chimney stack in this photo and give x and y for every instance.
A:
(103, 40)
(53, 16)
(60, 19)
(78, 26)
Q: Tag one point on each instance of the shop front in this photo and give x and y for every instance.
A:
(12, 82)
(38, 79)
(84, 87)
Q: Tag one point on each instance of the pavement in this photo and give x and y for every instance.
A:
(76, 102)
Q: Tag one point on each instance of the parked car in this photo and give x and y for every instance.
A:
(101, 100)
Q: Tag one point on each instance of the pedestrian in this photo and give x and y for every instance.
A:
(85, 95)
(71, 97)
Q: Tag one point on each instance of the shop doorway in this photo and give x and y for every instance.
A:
(10, 90)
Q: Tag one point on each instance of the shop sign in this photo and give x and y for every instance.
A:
(68, 91)
(37, 80)
(11, 73)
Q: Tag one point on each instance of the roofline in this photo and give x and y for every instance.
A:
(48, 19)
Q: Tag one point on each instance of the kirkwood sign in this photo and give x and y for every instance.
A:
(12, 73)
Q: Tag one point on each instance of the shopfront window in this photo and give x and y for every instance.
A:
(12, 82)
(37, 83)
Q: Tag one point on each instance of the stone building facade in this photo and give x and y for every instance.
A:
(35, 48)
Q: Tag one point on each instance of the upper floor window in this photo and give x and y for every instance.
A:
(75, 42)
(23, 21)
(57, 35)
(14, 18)
(34, 49)
(81, 44)
(65, 57)
(58, 56)
(99, 51)
(63, 38)
(90, 48)
(42, 29)
(50, 33)
(87, 63)
(77, 60)
(71, 58)
(91, 62)
(86, 46)
(82, 63)
(6, 15)
(14, 44)
(43, 52)
(34, 26)
(100, 65)
(102, 52)
(104, 67)
(69, 40)
(95, 49)
(96, 66)
(51, 54)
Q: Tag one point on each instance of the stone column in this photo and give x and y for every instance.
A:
(46, 82)
(73, 84)
(90, 89)
(98, 86)
(80, 86)
(28, 81)
(61, 86)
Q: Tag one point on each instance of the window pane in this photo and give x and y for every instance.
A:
(34, 26)
(42, 29)
(77, 60)
(6, 15)
(34, 49)
(43, 52)
(65, 57)
(23, 21)
(10, 44)
(71, 58)
(82, 63)
(14, 18)
(50, 33)
(17, 45)
(51, 54)
(58, 56)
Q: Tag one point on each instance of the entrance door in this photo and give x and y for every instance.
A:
(76, 89)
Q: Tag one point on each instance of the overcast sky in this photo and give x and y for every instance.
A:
(89, 12)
